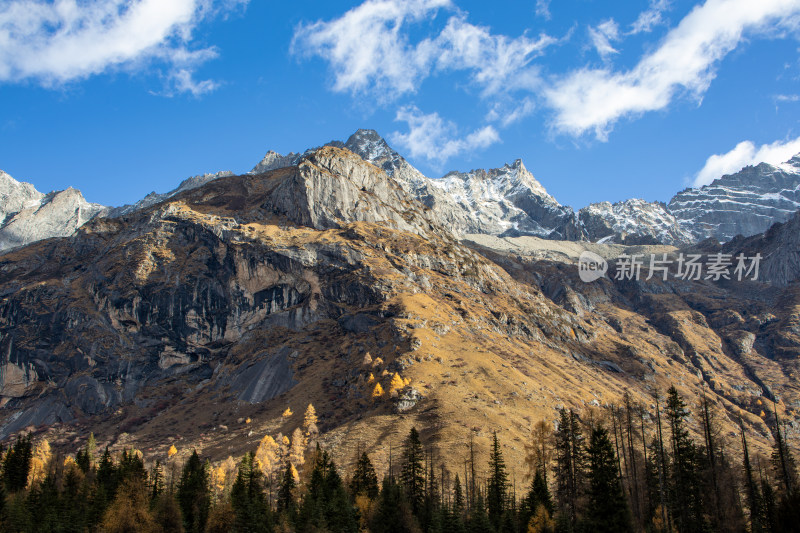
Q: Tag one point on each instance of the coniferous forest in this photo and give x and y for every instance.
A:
(616, 469)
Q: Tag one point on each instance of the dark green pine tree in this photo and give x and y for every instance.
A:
(364, 481)
(478, 521)
(326, 506)
(248, 499)
(752, 492)
(194, 494)
(538, 496)
(131, 467)
(497, 486)
(287, 502)
(17, 464)
(393, 513)
(569, 476)
(685, 498)
(412, 475)
(607, 508)
(785, 472)
(453, 517)
(156, 481)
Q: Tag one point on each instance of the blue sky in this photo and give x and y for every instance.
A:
(601, 100)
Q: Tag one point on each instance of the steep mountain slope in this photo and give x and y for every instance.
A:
(26, 215)
(744, 203)
(197, 321)
(632, 222)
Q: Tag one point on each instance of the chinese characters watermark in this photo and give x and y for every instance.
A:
(690, 267)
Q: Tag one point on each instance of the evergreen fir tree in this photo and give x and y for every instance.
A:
(497, 485)
(569, 454)
(412, 475)
(17, 464)
(607, 508)
(286, 493)
(364, 481)
(194, 494)
(685, 498)
(478, 521)
(326, 506)
(393, 513)
(248, 499)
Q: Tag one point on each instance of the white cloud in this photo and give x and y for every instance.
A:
(57, 42)
(650, 18)
(543, 9)
(595, 99)
(367, 47)
(369, 50)
(509, 112)
(786, 97)
(745, 153)
(435, 139)
(602, 36)
(497, 63)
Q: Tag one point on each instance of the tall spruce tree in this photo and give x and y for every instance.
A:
(607, 507)
(497, 485)
(569, 454)
(194, 494)
(412, 474)
(248, 499)
(17, 464)
(685, 498)
(364, 481)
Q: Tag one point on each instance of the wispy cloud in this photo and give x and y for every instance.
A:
(543, 9)
(593, 100)
(56, 42)
(602, 36)
(369, 50)
(650, 18)
(435, 139)
(746, 153)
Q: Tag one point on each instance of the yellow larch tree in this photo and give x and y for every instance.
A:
(310, 420)
(377, 392)
(287, 413)
(39, 461)
(267, 455)
(172, 451)
(297, 451)
(395, 385)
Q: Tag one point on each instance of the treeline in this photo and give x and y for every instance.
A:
(625, 468)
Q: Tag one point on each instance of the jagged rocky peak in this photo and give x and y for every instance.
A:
(27, 215)
(633, 221)
(16, 196)
(273, 160)
(153, 198)
(369, 145)
(509, 201)
(743, 203)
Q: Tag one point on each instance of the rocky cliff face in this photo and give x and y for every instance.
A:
(633, 222)
(26, 215)
(745, 203)
(200, 319)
